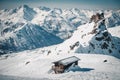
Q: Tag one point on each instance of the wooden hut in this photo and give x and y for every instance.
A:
(64, 64)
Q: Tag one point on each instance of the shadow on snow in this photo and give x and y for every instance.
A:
(77, 68)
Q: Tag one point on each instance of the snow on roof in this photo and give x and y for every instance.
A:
(68, 60)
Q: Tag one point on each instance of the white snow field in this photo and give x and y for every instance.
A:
(115, 31)
(33, 65)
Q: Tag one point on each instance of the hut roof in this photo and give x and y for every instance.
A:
(67, 61)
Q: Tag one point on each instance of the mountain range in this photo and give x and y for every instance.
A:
(25, 28)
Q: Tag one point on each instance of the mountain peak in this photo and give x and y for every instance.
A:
(27, 12)
(44, 8)
(24, 6)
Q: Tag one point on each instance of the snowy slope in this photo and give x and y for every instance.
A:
(35, 65)
(87, 39)
(115, 31)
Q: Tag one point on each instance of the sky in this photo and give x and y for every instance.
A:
(82, 4)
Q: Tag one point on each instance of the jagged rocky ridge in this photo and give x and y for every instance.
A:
(102, 43)
(92, 38)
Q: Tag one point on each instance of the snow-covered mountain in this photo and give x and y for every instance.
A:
(25, 28)
(28, 36)
(112, 18)
(90, 39)
(20, 14)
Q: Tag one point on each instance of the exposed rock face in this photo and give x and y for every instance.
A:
(97, 17)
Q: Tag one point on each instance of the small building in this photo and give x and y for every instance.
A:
(63, 64)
